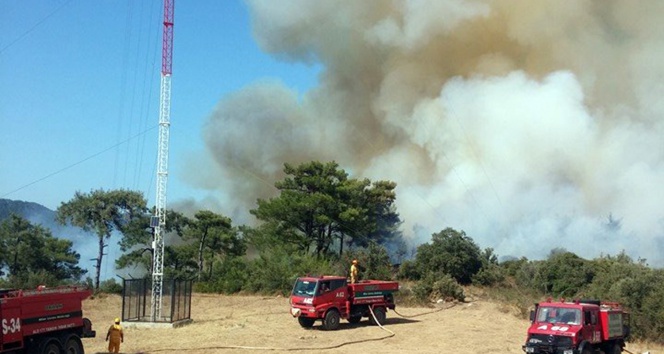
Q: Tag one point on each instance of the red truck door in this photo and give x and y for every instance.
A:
(337, 295)
(325, 292)
(592, 330)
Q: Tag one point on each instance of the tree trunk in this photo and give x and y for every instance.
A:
(99, 259)
(210, 264)
(200, 255)
(13, 268)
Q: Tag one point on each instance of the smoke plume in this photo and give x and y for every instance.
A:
(530, 125)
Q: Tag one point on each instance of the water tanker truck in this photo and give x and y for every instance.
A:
(330, 298)
(44, 320)
(577, 327)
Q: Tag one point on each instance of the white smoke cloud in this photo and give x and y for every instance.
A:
(529, 125)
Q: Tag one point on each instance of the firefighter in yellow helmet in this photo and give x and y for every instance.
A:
(115, 335)
(353, 272)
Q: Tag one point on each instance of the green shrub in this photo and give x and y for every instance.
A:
(433, 288)
(408, 270)
(489, 276)
(423, 289)
(229, 276)
(450, 252)
(109, 286)
(276, 270)
(446, 287)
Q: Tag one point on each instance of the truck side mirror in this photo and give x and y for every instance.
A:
(532, 315)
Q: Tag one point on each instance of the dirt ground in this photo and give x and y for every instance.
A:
(244, 324)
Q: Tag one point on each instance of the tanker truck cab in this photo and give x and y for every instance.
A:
(316, 291)
(312, 298)
(579, 327)
(331, 298)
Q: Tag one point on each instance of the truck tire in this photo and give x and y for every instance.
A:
(73, 345)
(49, 346)
(331, 320)
(379, 313)
(615, 349)
(354, 319)
(306, 322)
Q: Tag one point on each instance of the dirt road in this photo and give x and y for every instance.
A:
(224, 324)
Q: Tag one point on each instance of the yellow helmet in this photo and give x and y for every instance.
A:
(117, 320)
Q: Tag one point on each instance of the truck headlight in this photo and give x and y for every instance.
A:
(295, 312)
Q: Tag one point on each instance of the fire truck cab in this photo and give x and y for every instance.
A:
(578, 327)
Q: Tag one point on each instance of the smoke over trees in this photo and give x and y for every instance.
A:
(521, 123)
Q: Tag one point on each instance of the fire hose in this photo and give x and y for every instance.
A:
(391, 334)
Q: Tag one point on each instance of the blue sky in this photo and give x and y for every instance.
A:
(79, 91)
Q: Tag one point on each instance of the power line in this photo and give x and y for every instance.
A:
(79, 162)
(34, 27)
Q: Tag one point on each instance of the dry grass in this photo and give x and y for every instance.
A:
(224, 323)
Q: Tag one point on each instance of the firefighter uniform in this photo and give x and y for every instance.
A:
(353, 272)
(116, 337)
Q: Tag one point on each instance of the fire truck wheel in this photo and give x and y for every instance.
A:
(50, 347)
(331, 320)
(615, 349)
(354, 319)
(586, 350)
(379, 312)
(306, 322)
(73, 346)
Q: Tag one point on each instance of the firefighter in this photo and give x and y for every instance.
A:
(353, 272)
(116, 336)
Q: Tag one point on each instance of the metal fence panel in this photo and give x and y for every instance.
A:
(137, 294)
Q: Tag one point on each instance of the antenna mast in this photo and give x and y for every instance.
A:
(159, 219)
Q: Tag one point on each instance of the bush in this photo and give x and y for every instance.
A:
(408, 270)
(566, 274)
(229, 276)
(109, 286)
(276, 270)
(433, 288)
(489, 276)
(450, 252)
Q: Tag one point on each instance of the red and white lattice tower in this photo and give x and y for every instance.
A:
(159, 218)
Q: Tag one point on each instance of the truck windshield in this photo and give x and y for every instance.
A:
(304, 288)
(559, 315)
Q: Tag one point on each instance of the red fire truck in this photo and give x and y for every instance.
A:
(44, 320)
(330, 298)
(577, 327)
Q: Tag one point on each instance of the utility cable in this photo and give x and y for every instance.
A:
(79, 162)
(34, 27)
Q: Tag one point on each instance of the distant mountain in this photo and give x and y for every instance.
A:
(24, 209)
(84, 243)
(38, 214)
